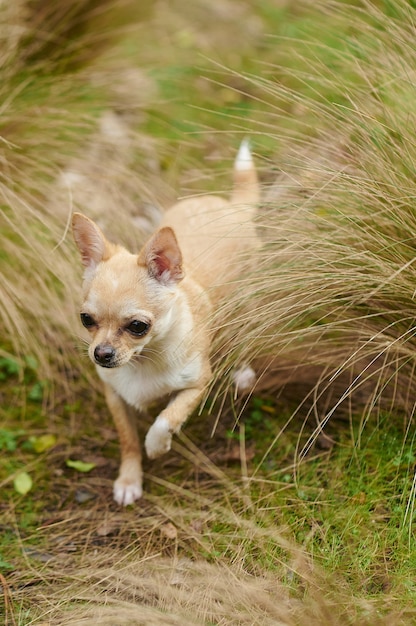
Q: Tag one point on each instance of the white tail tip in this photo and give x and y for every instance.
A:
(244, 159)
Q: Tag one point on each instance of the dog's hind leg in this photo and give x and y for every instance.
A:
(244, 379)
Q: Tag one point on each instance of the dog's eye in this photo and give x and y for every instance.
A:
(87, 320)
(138, 328)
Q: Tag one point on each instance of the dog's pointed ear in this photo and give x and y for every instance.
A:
(162, 257)
(90, 241)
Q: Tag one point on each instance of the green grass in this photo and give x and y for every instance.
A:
(348, 506)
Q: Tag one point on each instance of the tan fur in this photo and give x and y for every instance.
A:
(148, 314)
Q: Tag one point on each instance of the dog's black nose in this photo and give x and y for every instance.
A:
(104, 355)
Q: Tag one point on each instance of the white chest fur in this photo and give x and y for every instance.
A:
(142, 383)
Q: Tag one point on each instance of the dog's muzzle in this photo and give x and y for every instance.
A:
(105, 355)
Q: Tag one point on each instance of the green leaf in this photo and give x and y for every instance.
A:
(8, 439)
(8, 367)
(42, 443)
(80, 466)
(23, 483)
(5, 564)
(36, 393)
(31, 363)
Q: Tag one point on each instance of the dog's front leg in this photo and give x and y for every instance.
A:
(159, 437)
(128, 486)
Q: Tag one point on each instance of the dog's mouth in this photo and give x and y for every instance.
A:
(106, 365)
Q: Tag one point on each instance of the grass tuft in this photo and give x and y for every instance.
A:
(331, 299)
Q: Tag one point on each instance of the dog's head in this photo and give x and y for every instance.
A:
(128, 298)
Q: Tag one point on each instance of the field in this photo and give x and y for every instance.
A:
(293, 505)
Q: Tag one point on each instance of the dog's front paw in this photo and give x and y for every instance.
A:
(127, 491)
(159, 438)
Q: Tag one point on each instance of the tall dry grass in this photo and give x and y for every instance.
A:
(165, 592)
(331, 298)
(66, 141)
(331, 301)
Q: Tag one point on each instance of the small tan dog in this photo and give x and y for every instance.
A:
(148, 314)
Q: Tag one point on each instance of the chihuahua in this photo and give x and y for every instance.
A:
(148, 314)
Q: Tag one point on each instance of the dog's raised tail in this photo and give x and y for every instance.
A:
(246, 183)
